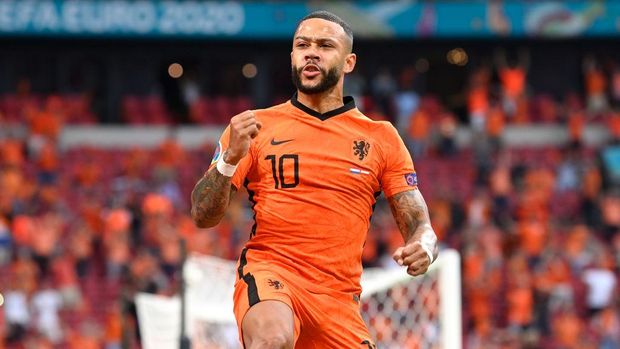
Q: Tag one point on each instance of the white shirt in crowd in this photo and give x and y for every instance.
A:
(601, 284)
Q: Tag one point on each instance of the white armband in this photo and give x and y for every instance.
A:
(428, 241)
(224, 168)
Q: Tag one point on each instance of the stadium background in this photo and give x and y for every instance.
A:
(109, 112)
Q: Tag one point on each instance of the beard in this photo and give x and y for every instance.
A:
(329, 79)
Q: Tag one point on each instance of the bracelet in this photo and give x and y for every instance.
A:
(225, 169)
(427, 242)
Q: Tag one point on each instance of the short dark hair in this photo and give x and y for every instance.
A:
(328, 16)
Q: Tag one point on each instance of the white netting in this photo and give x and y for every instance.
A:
(209, 293)
(401, 312)
(405, 314)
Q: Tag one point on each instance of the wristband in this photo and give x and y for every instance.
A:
(224, 168)
(427, 242)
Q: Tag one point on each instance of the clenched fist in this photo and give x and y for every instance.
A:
(414, 257)
(243, 128)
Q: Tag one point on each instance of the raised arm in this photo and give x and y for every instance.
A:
(212, 193)
(411, 215)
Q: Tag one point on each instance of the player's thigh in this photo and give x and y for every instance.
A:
(269, 324)
(336, 323)
(263, 307)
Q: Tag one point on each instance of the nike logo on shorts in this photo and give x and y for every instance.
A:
(274, 142)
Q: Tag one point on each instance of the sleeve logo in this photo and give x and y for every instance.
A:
(411, 179)
(217, 153)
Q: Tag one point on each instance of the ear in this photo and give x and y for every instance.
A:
(349, 63)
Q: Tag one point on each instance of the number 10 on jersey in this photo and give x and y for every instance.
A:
(278, 171)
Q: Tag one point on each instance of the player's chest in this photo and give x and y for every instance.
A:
(323, 159)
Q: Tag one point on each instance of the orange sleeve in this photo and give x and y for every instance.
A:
(243, 167)
(398, 174)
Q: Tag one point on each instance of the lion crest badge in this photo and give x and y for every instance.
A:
(361, 148)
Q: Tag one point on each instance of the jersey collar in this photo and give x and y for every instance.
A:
(348, 101)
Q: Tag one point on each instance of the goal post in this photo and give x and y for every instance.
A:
(450, 306)
(401, 311)
(422, 312)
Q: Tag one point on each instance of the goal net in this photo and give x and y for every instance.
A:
(401, 311)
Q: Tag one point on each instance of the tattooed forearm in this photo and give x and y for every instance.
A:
(410, 211)
(210, 198)
(411, 215)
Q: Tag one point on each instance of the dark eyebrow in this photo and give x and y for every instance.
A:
(305, 38)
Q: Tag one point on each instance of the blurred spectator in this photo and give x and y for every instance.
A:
(406, 99)
(512, 74)
(383, 87)
(11, 152)
(354, 85)
(17, 313)
(478, 97)
(113, 328)
(190, 89)
(5, 242)
(613, 124)
(66, 281)
(602, 284)
(87, 336)
(46, 303)
(576, 125)
(418, 133)
(569, 172)
(501, 190)
(44, 241)
(116, 240)
(610, 211)
(81, 241)
(447, 134)
(607, 326)
(47, 122)
(520, 298)
(596, 86)
(495, 127)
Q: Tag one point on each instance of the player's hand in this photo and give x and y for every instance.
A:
(243, 128)
(414, 257)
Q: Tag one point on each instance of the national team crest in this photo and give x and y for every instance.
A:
(360, 149)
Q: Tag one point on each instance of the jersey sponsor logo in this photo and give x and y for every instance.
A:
(274, 142)
(368, 344)
(217, 153)
(361, 148)
(275, 284)
(411, 179)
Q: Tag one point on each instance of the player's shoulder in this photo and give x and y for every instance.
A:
(379, 128)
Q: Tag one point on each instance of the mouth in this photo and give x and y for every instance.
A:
(311, 70)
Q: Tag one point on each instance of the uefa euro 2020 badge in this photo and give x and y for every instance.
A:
(411, 179)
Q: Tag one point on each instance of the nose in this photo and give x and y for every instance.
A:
(311, 54)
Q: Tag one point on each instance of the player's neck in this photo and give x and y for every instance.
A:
(321, 102)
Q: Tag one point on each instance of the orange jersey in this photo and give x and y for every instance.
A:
(313, 180)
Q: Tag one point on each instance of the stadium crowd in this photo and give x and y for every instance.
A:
(83, 229)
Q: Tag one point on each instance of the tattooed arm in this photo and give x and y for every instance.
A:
(212, 193)
(210, 198)
(411, 215)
